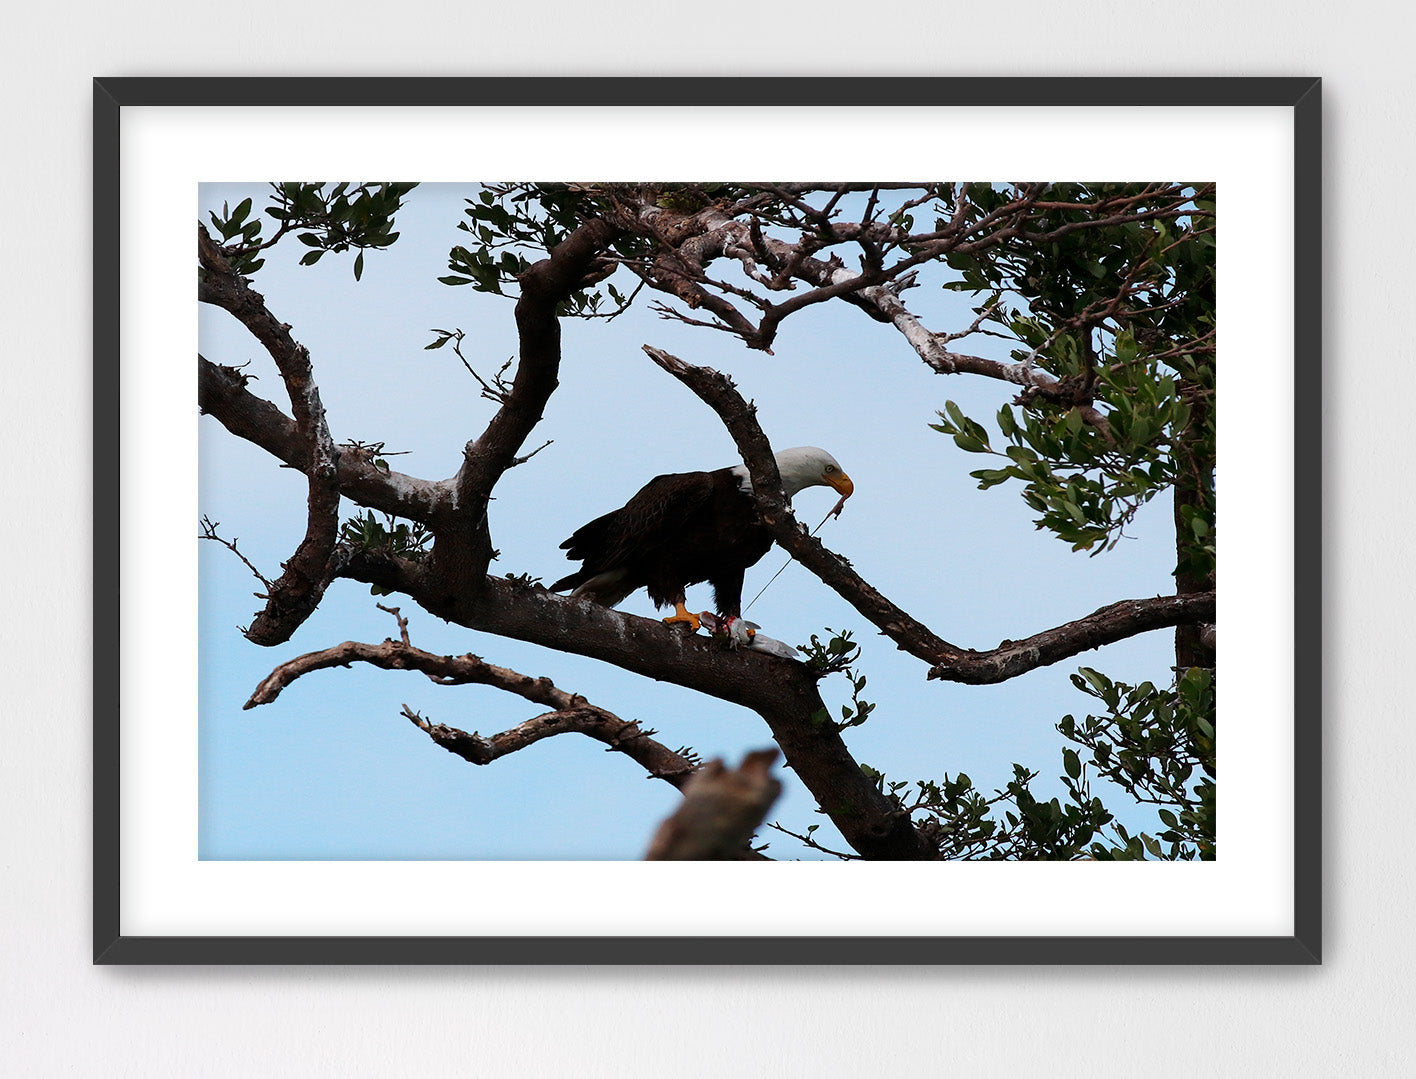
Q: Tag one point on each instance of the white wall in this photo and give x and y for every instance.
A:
(59, 1015)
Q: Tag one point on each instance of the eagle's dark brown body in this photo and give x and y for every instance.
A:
(680, 529)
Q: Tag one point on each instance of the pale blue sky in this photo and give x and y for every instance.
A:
(331, 770)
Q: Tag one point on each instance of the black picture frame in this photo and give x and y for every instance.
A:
(1300, 94)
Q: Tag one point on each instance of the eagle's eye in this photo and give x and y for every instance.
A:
(830, 469)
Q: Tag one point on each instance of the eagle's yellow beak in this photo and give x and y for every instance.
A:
(842, 483)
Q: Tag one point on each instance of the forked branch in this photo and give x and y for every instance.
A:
(571, 713)
(297, 592)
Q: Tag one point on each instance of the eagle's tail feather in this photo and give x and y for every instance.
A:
(606, 588)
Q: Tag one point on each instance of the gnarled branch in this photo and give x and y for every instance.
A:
(571, 712)
(619, 735)
(298, 591)
(783, 692)
(689, 242)
(464, 552)
(222, 394)
(1109, 624)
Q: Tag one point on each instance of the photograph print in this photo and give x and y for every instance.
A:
(753, 521)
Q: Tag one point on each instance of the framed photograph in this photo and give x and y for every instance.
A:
(707, 520)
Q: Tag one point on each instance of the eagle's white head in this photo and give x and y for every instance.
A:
(804, 466)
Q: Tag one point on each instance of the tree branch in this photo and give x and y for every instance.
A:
(222, 394)
(208, 532)
(298, 591)
(783, 692)
(619, 735)
(464, 552)
(721, 809)
(693, 240)
(1109, 624)
(571, 712)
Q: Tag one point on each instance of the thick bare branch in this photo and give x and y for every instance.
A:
(1112, 623)
(720, 811)
(222, 393)
(298, 591)
(464, 552)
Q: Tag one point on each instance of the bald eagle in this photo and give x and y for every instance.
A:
(688, 527)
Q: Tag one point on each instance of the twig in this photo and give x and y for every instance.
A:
(209, 533)
(523, 459)
(809, 842)
(402, 622)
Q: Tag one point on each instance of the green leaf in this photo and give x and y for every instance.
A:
(359, 266)
(968, 442)
(1072, 763)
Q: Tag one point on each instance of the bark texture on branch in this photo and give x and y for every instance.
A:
(464, 550)
(1112, 623)
(223, 394)
(298, 591)
(571, 713)
(618, 735)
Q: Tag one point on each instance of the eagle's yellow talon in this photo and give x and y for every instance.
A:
(683, 614)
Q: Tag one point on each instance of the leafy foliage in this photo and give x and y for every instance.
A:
(1158, 746)
(366, 534)
(323, 217)
(1123, 317)
(513, 224)
(835, 654)
(839, 654)
(966, 824)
